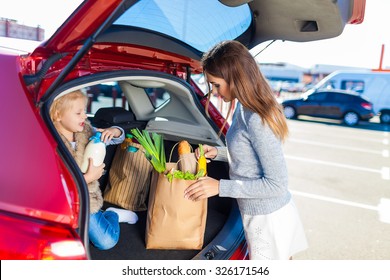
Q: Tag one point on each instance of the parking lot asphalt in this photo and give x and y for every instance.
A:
(340, 180)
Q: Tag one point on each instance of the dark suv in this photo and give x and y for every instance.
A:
(334, 104)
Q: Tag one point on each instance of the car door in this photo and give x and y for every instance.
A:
(335, 106)
(311, 106)
(329, 106)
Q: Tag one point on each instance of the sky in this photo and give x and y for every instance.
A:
(358, 46)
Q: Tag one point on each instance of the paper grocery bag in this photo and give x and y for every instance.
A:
(188, 163)
(129, 179)
(174, 222)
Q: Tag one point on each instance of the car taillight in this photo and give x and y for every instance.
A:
(366, 105)
(241, 253)
(27, 238)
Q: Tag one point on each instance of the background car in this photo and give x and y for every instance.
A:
(150, 50)
(348, 106)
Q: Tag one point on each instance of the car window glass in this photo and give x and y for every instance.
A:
(200, 24)
(158, 96)
(328, 85)
(110, 95)
(342, 98)
(317, 97)
(354, 85)
(105, 95)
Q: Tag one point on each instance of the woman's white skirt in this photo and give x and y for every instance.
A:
(275, 236)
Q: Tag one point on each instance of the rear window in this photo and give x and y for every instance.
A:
(110, 94)
(200, 24)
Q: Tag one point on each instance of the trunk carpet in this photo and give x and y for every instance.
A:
(131, 245)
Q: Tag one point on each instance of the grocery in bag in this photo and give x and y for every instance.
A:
(173, 222)
(129, 177)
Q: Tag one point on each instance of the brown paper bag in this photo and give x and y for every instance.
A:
(129, 179)
(174, 222)
(188, 163)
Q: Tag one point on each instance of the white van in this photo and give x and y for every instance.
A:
(373, 84)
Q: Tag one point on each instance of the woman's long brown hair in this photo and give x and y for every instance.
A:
(231, 61)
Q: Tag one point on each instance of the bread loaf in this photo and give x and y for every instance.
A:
(184, 148)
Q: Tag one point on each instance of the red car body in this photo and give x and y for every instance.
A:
(43, 197)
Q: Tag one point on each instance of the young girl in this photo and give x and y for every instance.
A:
(68, 114)
(257, 168)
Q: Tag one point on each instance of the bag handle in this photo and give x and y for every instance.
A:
(170, 155)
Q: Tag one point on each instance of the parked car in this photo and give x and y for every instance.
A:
(373, 84)
(150, 49)
(348, 106)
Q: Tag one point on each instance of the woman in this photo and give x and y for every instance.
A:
(258, 172)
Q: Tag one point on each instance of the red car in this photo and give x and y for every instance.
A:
(146, 53)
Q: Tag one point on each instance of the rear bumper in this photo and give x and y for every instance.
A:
(367, 116)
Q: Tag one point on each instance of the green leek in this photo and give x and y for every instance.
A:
(154, 148)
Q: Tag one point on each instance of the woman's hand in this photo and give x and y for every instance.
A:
(203, 188)
(94, 172)
(109, 133)
(209, 152)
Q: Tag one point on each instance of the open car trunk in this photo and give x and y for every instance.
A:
(129, 99)
(131, 245)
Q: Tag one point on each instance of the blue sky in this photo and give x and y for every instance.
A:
(358, 46)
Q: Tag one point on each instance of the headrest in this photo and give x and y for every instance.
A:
(113, 116)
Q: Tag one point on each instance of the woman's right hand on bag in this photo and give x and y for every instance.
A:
(203, 188)
(209, 151)
(94, 172)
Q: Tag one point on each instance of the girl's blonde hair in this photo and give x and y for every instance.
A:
(65, 102)
(231, 61)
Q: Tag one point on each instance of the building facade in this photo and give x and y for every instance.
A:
(12, 29)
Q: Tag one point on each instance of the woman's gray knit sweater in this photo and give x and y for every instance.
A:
(257, 168)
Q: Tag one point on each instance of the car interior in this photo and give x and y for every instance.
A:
(165, 105)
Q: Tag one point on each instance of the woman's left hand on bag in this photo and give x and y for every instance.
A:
(203, 188)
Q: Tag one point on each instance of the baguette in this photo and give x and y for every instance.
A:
(184, 148)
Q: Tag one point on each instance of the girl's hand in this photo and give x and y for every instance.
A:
(109, 133)
(94, 172)
(209, 151)
(203, 188)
